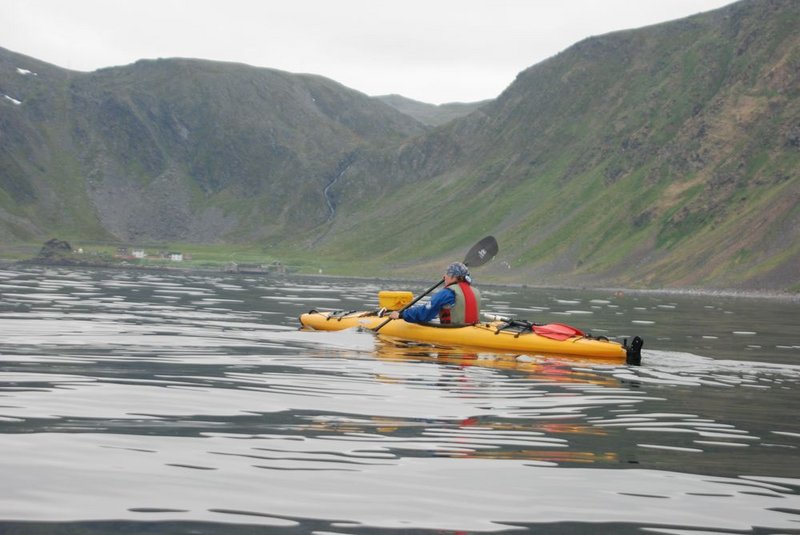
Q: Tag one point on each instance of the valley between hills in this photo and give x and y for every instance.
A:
(661, 158)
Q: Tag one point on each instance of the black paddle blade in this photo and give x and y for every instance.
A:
(482, 252)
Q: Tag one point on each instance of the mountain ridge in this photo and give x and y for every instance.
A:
(165, 146)
(662, 119)
(431, 114)
(662, 157)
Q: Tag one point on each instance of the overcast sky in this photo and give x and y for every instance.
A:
(430, 50)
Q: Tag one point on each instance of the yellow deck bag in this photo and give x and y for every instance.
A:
(391, 300)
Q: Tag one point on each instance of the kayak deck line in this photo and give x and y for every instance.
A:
(499, 334)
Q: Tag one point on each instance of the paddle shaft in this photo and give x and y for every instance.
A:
(412, 303)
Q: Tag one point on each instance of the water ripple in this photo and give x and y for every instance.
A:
(174, 387)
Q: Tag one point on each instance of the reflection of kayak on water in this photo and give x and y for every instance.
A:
(500, 334)
(556, 367)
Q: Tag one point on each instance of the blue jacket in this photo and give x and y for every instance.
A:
(429, 311)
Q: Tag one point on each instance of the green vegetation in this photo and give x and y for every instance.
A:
(661, 157)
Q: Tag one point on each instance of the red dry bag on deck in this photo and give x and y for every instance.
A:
(557, 331)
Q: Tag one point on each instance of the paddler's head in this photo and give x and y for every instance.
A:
(456, 272)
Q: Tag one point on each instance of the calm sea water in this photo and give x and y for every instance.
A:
(142, 402)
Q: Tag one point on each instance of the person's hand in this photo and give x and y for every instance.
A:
(395, 315)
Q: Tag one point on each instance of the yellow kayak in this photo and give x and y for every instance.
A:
(504, 335)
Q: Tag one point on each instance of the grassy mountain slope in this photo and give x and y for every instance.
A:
(178, 149)
(662, 157)
(39, 188)
(666, 156)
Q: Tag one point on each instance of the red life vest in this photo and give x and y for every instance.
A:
(466, 309)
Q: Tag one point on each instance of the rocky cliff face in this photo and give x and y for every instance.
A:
(182, 149)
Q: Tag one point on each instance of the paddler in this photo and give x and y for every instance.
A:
(458, 303)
